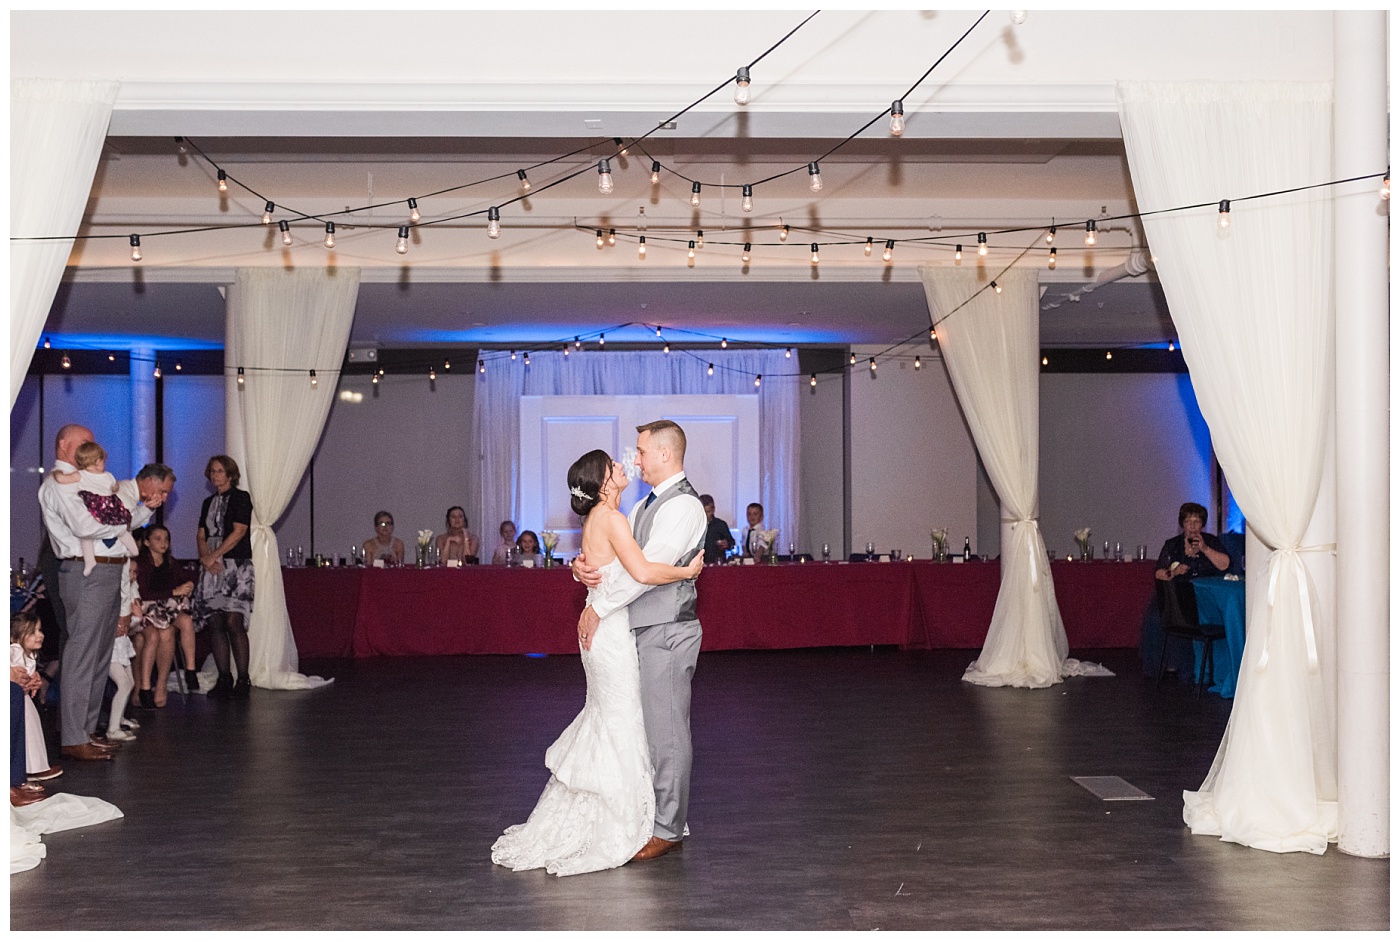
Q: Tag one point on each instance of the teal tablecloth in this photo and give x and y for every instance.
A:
(1219, 601)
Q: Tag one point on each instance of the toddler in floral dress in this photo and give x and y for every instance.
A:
(98, 490)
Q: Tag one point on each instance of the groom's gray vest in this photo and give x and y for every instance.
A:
(664, 603)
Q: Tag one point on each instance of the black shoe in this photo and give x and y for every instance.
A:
(146, 698)
(223, 687)
(242, 688)
(191, 680)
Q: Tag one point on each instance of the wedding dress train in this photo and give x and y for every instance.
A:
(597, 810)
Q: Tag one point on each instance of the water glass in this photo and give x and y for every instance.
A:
(826, 552)
(1142, 553)
(792, 550)
(1118, 552)
(870, 550)
(291, 557)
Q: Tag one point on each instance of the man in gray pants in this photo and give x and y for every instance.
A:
(670, 526)
(90, 602)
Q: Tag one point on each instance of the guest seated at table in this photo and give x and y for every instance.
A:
(718, 539)
(1194, 553)
(458, 544)
(527, 548)
(384, 545)
(753, 543)
(506, 550)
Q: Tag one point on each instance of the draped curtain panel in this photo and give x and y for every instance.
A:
(56, 134)
(1253, 307)
(496, 413)
(991, 344)
(281, 325)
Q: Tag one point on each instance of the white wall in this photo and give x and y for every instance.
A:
(913, 464)
(823, 505)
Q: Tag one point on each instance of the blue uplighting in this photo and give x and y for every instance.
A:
(124, 341)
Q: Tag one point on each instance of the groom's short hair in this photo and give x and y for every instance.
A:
(669, 435)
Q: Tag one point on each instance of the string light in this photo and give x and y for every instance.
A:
(748, 253)
(723, 343)
(527, 357)
(816, 258)
(918, 363)
(1050, 235)
(136, 248)
(481, 366)
(605, 180)
(330, 235)
(47, 344)
(447, 365)
(374, 380)
(599, 239)
(897, 118)
(1385, 186)
(566, 351)
(758, 380)
(1091, 233)
(869, 245)
(1224, 219)
(982, 243)
(179, 367)
(741, 86)
(814, 174)
(700, 239)
(67, 363)
(957, 253)
(267, 212)
(1108, 355)
(787, 353)
(1045, 361)
(814, 380)
(853, 359)
(695, 194)
(180, 146)
(666, 348)
(313, 379)
(111, 357)
(602, 338)
(747, 203)
(655, 172)
(432, 374)
(524, 181)
(401, 246)
(932, 334)
(223, 182)
(240, 377)
(413, 214)
(658, 331)
(641, 246)
(783, 234)
(621, 147)
(889, 250)
(1171, 346)
(873, 367)
(691, 253)
(578, 344)
(996, 287)
(512, 356)
(612, 236)
(286, 230)
(493, 222)
(711, 370)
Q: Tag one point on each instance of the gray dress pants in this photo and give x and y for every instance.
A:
(90, 604)
(667, 653)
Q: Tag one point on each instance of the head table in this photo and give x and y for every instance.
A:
(369, 612)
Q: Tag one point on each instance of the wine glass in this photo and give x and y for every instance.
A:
(826, 552)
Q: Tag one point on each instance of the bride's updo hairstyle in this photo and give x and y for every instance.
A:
(586, 477)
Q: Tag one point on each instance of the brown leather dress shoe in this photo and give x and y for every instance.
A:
(656, 847)
(88, 752)
(26, 794)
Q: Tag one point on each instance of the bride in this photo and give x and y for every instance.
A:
(597, 810)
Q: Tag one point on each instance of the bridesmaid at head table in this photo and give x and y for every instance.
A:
(383, 545)
(458, 544)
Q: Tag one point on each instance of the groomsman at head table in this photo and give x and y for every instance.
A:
(718, 539)
(752, 531)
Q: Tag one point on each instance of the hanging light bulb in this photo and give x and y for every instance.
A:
(180, 146)
(330, 235)
(700, 240)
(512, 356)
(641, 246)
(814, 380)
(746, 203)
(240, 377)
(566, 351)
(814, 176)
(1108, 355)
(401, 246)
(957, 253)
(1224, 218)
(178, 366)
(996, 287)
(741, 86)
(783, 234)
(374, 380)
(612, 236)
(691, 253)
(599, 240)
(493, 222)
(655, 172)
(578, 344)
(136, 248)
(748, 253)
(1018, 17)
(524, 181)
(156, 372)
(1091, 233)
(481, 366)
(889, 250)
(602, 338)
(605, 180)
(111, 358)
(1045, 361)
(723, 343)
(711, 370)
(267, 212)
(413, 214)
(897, 118)
(223, 182)
(982, 243)
(787, 353)
(695, 194)
(658, 331)
(313, 379)
(1052, 258)
(932, 334)
(432, 374)
(666, 348)
(816, 258)
(527, 357)
(1171, 346)
(853, 359)
(758, 380)
(1050, 235)
(47, 344)
(1385, 186)
(918, 363)
(873, 367)
(286, 231)
(621, 147)
(67, 363)
(869, 245)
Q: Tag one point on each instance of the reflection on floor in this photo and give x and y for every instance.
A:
(846, 789)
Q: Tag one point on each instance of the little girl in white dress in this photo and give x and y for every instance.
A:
(598, 808)
(26, 637)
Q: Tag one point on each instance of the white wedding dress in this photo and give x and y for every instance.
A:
(597, 810)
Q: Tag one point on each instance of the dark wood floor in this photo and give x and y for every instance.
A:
(838, 789)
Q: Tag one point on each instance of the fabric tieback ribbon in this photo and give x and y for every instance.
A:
(1035, 575)
(1304, 598)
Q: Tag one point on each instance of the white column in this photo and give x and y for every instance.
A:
(1363, 438)
(143, 408)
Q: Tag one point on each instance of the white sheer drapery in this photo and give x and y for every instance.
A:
(281, 325)
(1255, 316)
(56, 134)
(991, 345)
(496, 414)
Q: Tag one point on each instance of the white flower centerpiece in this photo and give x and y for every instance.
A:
(549, 538)
(425, 539)
(1081, 536)
(768, 538)
(940, 544)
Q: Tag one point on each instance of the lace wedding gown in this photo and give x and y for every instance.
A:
(597, 810)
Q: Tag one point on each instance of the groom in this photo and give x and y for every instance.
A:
(670, 527)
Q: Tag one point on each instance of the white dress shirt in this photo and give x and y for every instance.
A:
(68, 520)
(678, 527)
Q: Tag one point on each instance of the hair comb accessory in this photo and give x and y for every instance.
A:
(578, 492)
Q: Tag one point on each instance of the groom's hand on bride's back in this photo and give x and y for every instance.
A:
(585, 573)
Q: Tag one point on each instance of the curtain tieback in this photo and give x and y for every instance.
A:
(1304, 598)
(1030, 546)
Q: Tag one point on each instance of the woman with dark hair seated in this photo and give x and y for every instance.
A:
(166, 589)
(458, 544)
(1193, 554)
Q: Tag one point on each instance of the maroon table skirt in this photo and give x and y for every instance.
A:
(495, 610)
